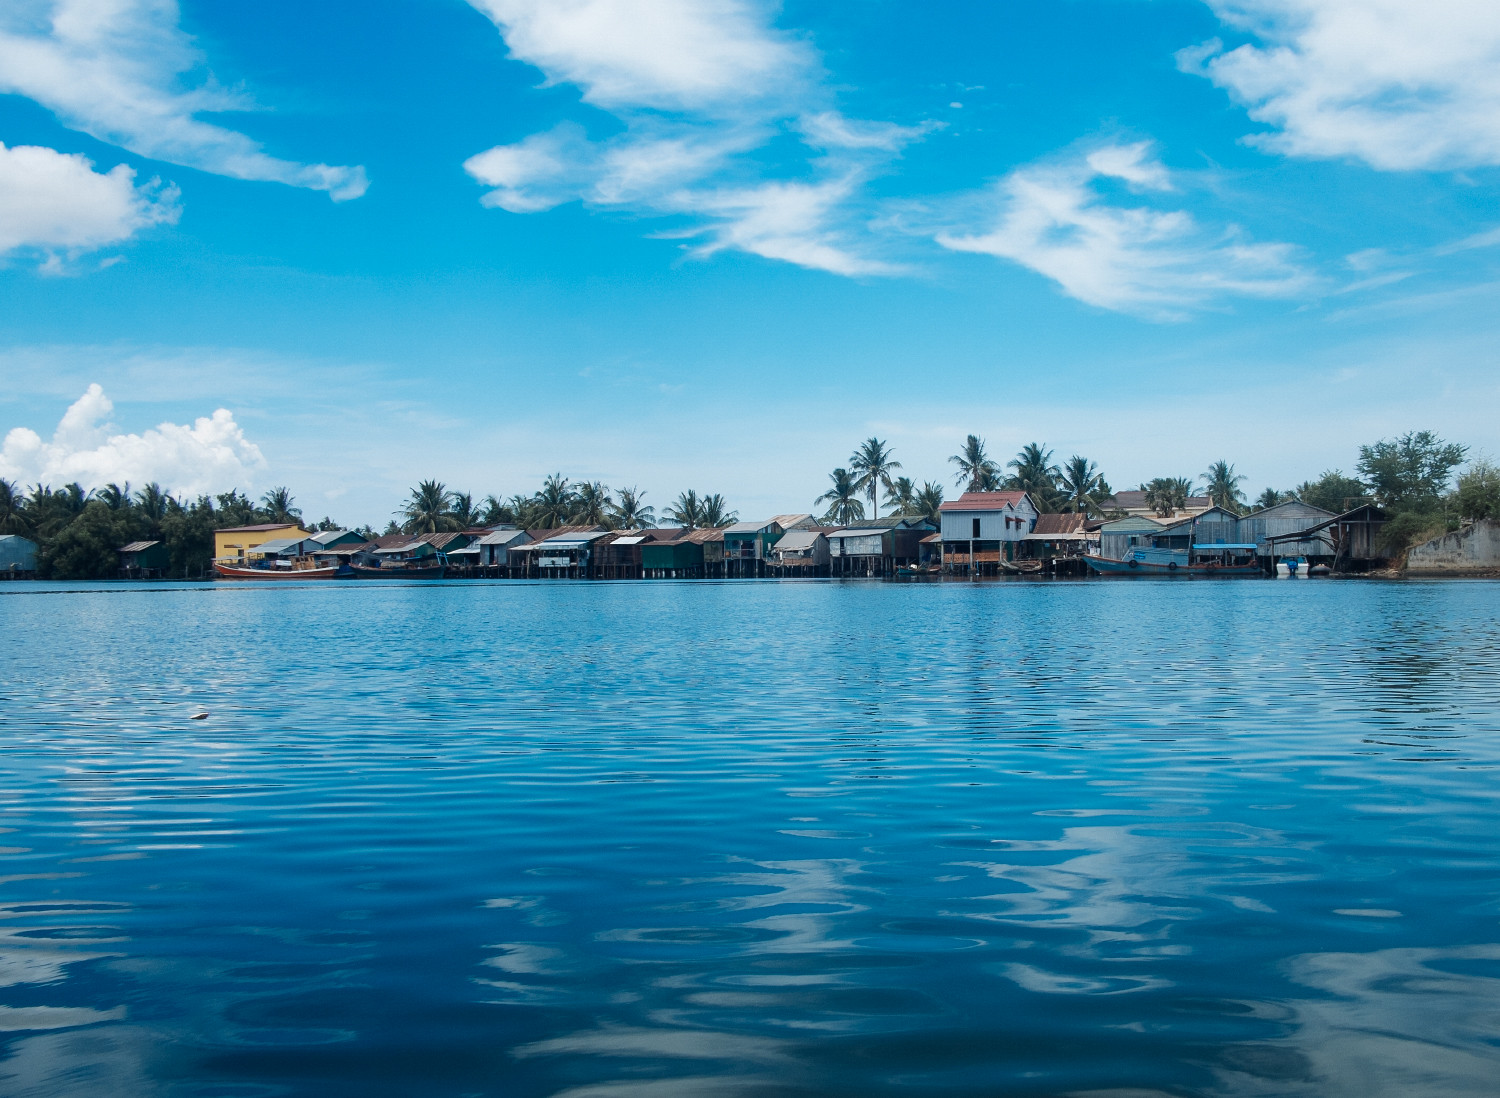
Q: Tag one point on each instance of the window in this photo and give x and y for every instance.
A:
(976, 528)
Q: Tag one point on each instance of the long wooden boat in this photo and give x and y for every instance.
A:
(415, 572)
(1108, 566)
(234, 571)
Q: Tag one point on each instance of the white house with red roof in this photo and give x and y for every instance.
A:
(979, 528)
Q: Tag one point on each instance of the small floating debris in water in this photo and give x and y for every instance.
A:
(201, 715)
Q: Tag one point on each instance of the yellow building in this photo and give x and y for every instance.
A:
(234, 542)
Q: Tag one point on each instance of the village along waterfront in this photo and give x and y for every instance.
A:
(517, 839)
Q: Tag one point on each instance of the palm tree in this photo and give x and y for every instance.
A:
(976, 472)
(152, 503)
(461, 507)
(928, 501)
(872, 465)
(687, 512)
(902, 496)
(629, 513)
(428, 509)
(277, 504)
(1082, 487)
(1223, 487)
(716, 513)
(496, 512)
(843, 501)
(12, 516)
(114, 497)
(1167, 495)
(1269, 498)
(1036, 475)
(593, 505)
(553, 505)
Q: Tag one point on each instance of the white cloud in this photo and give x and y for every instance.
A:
(114, 69)
(55, 202)
(1136, 258)
(702, 87)
(661, 54)
(1397, 84)
(212, 455)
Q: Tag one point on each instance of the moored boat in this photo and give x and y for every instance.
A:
(1145, 562)
(251, 572)
(402, 571)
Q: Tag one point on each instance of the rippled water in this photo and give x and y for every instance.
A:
(1129, 839)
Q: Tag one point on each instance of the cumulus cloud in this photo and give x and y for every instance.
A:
(1056, 219)
(115, 70)
(702, 87)
(1399, 85)
(211, 455)
(57, 203)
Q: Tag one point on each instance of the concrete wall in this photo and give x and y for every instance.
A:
(1474, 549)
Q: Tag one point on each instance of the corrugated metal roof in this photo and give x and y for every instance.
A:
(748, 527)
(632, 540)
(501, 537)
(983, 501)
(1067, 523)
(793, 521)
(278, 545)
(257, 529)
(1061, 535)
(138, 546)
(703, 537)
(798, 540)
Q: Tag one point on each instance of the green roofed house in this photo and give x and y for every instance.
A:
(144, 560)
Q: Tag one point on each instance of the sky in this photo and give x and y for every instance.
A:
(714, 244)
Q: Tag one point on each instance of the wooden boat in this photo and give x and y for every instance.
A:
(1141, 565)
(401, 571)
(1021, 567)
(241, 572)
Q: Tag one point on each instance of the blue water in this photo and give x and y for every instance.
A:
(1125, 839)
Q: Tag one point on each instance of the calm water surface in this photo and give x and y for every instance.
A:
(617, 840)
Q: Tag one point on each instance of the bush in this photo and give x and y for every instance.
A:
(1478, 495)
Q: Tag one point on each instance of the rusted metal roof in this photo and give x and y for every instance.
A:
(1070, 522)
(984, 501)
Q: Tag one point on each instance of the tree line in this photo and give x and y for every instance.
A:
(1426, 484)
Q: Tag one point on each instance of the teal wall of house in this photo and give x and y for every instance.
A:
(671, 555)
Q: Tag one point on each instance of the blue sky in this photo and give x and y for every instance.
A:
(715, 243)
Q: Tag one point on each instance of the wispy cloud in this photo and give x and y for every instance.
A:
(117, 69)
(701, 88)
(211, 455)
(57, 205)
(1396, 84)
(1057, 219)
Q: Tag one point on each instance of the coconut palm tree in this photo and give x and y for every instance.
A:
(713, 512)
(872, 465)
(151, 501)
(114, 497)
(928, 501)
(465, 513)
(496, 512)
(1034, 473)
(687, 511)
(278, 506)
(554, 505)
(1081, 486)
(843, 501)
(12, 515)
(428, 510)
(1270, 498)
(1167, 495)
(593, 505)
(976, 472)
(629, 513)
(901, 496)
(1223, 487)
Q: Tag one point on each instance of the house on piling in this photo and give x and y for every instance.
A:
(876, 547)
(1120, 536)
(1057, 538)
(561, 552)
(747, 547)
(144, 560)
(1285, 531)
(17, 557)
(495, 548)
(801, 552)
(982, 528)
(236, 543)
(622, 554)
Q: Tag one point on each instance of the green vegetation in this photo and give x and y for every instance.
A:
(872, 464)
(1222, 486)
(843, 501)
(1167, 495)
